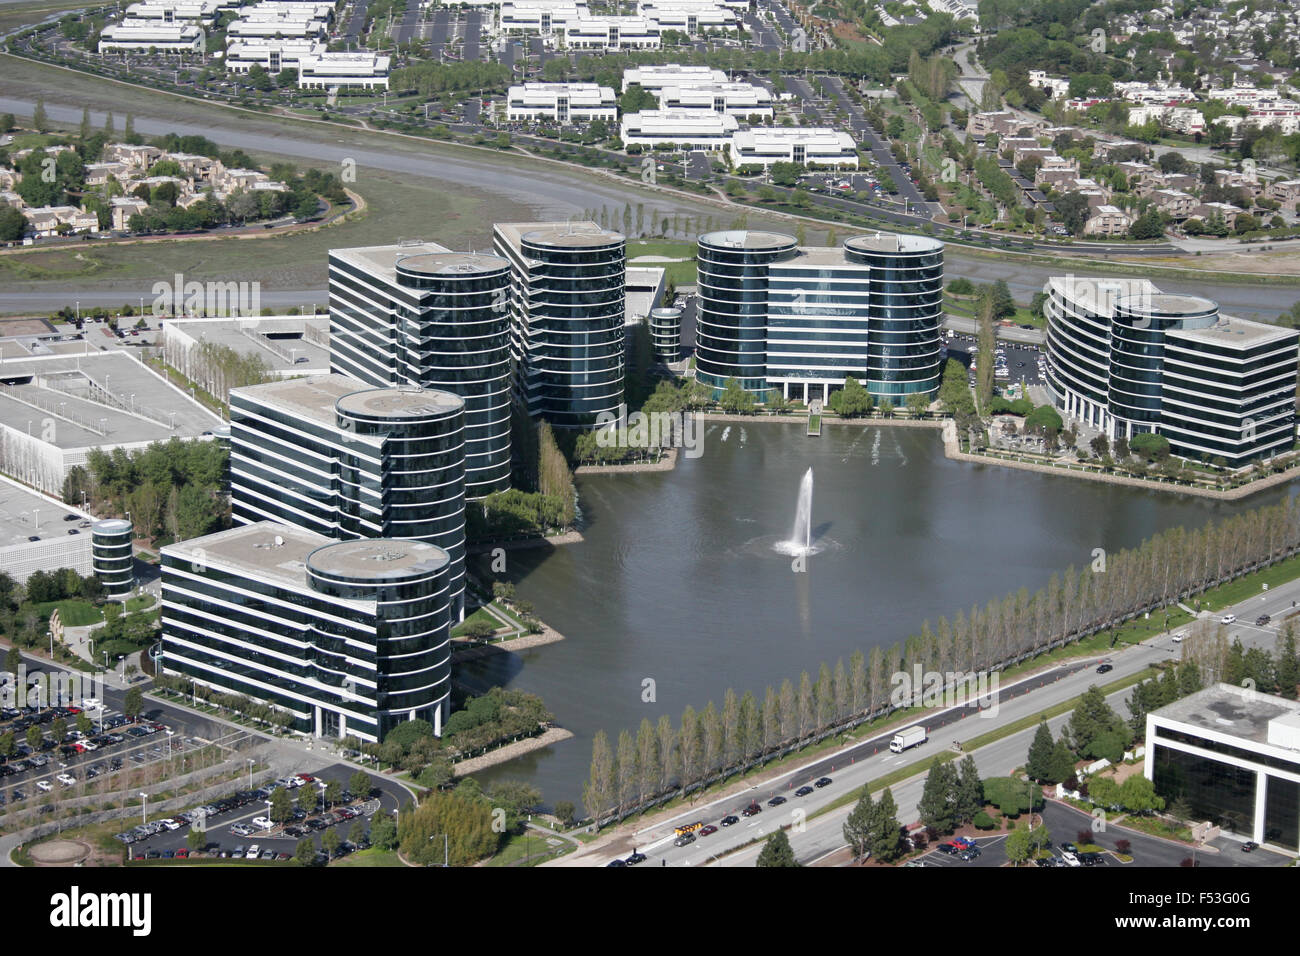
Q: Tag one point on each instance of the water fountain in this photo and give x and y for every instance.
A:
(800, 540)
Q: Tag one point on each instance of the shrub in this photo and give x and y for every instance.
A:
(984, 822)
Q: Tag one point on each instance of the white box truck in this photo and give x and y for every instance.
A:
(910, 737)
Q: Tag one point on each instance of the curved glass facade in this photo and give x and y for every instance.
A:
(666, 333)
(1137, 351)
(458, 339)
(349, 637)
(731, 323)
(112, 556)
(567, 305)
(906, 313)
(774, 315)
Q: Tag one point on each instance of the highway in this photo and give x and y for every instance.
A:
(542, 191)
(850, 769)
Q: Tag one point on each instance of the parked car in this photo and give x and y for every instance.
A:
(253, 852)
(635, 858)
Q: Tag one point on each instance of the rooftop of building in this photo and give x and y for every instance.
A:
(96, 399)
(461, 264)
(747, 239)
(382, 260)
(576, 234)
(1232, 332)
(293, 344)
(318, 398)
(381, 559)
(25, 514)
(892, 242)
(1228, 709)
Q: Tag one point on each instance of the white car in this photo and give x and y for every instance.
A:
(1070, 859)
(91, 703)
(66, 779)
(1228, 619)
(253, 852)
(171, 824)
(44, 786)
(1178, 638)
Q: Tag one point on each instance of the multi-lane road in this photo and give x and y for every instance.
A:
(817, 837)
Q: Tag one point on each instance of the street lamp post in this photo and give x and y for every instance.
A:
(144, 807)
(251, 761)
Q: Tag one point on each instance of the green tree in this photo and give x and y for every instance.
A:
(452, 826)
(333, 793)
(1039, 763)
(735, 400)
(281, 805)
(34, 737)
(196, 840)
(305, 853)
(565, 811)
(383, 831)
(134, 702)
(330, 841)
(777, 851)
(886, 834)
(970, 790)
(1094, 726)
(361, 785)
(308, 798)
(857, 828)
(84, 723)
(1138, 795)
(852, 400)
(938, 805)
(40, 120)
(1019, 846)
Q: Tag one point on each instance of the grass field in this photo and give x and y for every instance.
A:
(13, 16)
(372, 857)
(73, 613)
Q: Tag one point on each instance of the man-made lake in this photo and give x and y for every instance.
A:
(678, 580)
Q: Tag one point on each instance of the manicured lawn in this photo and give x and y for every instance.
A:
(665, 248)
(139, 602)
(480, 615)
(531, 845)
(72, 612)
(372, 857)
(1234, 592)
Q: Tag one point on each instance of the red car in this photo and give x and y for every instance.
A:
(306, 778)
(182, 853)
(74, 710)
(709, 829)
(79, 748)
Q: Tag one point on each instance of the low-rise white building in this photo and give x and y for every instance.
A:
(561, 102)
(689, 18)
(808, 146)
(174, 11)
(287, 25)
(656, 77)
(144, 35)
(687, 129)
(537, 16)
(364, 68)
(737, 99)
(271, 54)
(612, 34)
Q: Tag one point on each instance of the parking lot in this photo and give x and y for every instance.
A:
(234, 825)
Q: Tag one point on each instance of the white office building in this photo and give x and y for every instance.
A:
(272, 55)
(146, 35)
(174, 11)
(361, 68)
(561, 102)
(807, 146)
(684, 129)
(741, 100)
(656, 77)
(266, 26)
(687, 17)
(538, 17)
(612, 34)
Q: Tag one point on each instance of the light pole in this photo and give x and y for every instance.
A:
(251, 761)
(50, 635)
(144, 807)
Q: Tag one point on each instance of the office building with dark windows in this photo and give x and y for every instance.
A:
(347, 637)
(1233, 755)
(112, 556)
(566, 318)
(1126, 358)
(777, 316)
(416, 314)
(342, 460)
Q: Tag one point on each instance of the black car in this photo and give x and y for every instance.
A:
(635, 858)
(776, 801)
(803, 791)
(1248, 846)
(617, 862)
(751, 810)
(970, 853)
(1090, 859)
(729, 821)
(1105, 668)
(823, 782)
(948, 848)
(1262, 620)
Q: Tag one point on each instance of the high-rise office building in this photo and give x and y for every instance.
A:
(416, 314)
(1126, 358)
(331, 455)
(566, 306)
(348, 637)
(774, 315)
